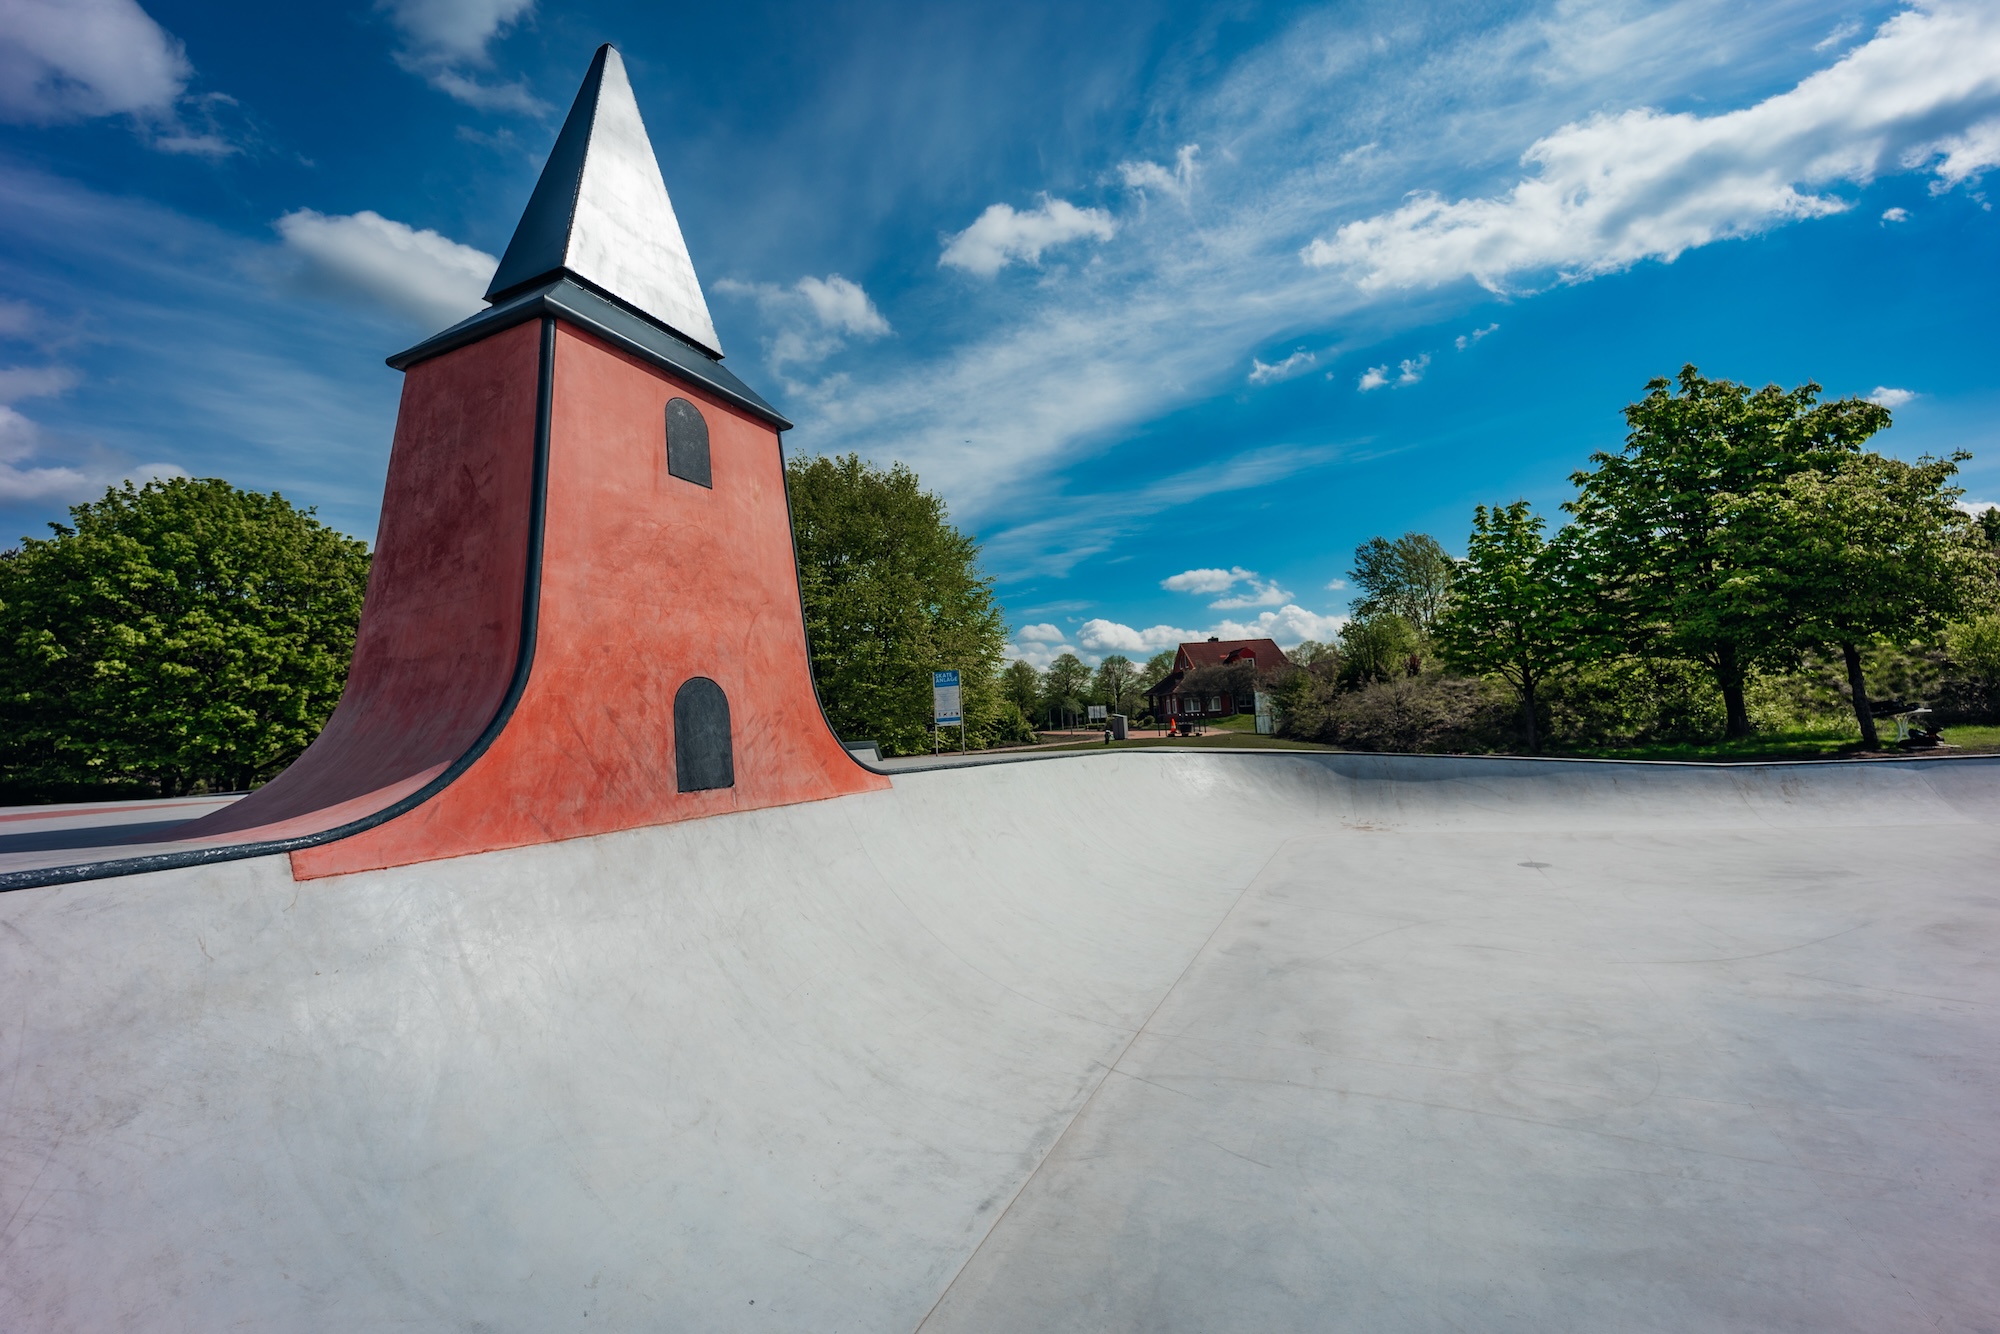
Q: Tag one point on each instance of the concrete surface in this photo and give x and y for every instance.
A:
(1138, 1041)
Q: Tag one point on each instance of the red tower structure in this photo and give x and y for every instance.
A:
(584, 611)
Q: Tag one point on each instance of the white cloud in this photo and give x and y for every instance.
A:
(840, 304)
(1335, 585)
(1961, 156)
(1297, 364)
(1978, 507)
(1000, 236)
(1890, 398)
(68, 60)
(76, 59)
(1466, 340)
(1289, 625)
(1841, 34)
(34, 469)
(1619, 188)
(1039, 654)
(1256, 591)
(1373, 378)
(1104, 636)
(1040, 634)
(812, 319)
(443, 37)
(1895, 215)
(1205, 581)
(1179, 182)
(1412, 369)
(375, 261)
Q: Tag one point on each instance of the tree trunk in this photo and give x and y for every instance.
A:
(1857, 686)
(1729, 675)
(1529, 736)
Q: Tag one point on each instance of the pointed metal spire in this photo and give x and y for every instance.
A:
(600, 213)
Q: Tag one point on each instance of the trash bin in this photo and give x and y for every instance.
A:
(1118, 725)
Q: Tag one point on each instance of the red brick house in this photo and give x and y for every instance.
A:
(1169, 700)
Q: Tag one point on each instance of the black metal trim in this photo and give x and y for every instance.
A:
(602, 314)
(524, 661)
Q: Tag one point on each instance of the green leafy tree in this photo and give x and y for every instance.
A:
(1409, 577)
(1021, 686)
(1063, 686)
(892, 592)
(1664, 536)
(174, 637)
(1380, 647)
(1870, 549)
(1507, 616)
(1115, 681)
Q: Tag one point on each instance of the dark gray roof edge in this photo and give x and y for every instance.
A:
(567, 299)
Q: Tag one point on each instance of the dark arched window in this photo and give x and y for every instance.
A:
(703, 754)
(687, 442)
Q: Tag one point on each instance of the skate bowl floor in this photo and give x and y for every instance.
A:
(1141, 1041)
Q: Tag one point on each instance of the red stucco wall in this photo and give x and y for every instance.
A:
(647, 580)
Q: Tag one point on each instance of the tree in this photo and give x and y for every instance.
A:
(1158, 667)
(1021, 686)
(1380, 647)
(892, 592)
(1661, 531)
(1409, 577)
(174, 637)
(1116, 678)
(1507, 617)
(1063, 685)
(1870, 549)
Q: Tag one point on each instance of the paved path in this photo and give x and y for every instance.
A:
(1140, 1041)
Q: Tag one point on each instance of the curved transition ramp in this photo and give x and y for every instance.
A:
(1129, 1041)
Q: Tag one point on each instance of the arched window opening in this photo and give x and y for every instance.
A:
(704, 756)
(687, 443)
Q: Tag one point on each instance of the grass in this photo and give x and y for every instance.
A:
(1230, 739)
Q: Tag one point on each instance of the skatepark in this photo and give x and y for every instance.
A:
(555, 988)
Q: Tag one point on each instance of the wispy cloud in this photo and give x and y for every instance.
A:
(445, 42)
(810, 320)
(1296, 364)
(1151, 177)
(364, 258)
(1373, 378)
(1000, 236)
(1891, 398)
(1466, 340)
(35, 467)
(1895, 215)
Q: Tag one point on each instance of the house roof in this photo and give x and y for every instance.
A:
(1216, 652)
(1212, 651)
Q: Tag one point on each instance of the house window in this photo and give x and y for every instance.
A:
(687, 443)
(704, 757)
(1215, 704)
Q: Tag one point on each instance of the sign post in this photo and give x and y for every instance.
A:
(946, 710)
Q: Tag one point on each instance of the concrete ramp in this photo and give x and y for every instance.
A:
(1138, 1041)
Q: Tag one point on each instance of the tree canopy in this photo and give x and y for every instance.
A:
(1507, 616)
(1409, 577)
(1659, 525)
(180, 636)
(892, 592)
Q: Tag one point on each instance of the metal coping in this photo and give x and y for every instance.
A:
(568, 298)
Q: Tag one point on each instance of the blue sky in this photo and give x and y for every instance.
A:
(1175, 304)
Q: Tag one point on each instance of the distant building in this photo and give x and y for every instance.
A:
(1169, 697)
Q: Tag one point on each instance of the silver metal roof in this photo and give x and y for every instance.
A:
(601, 214)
